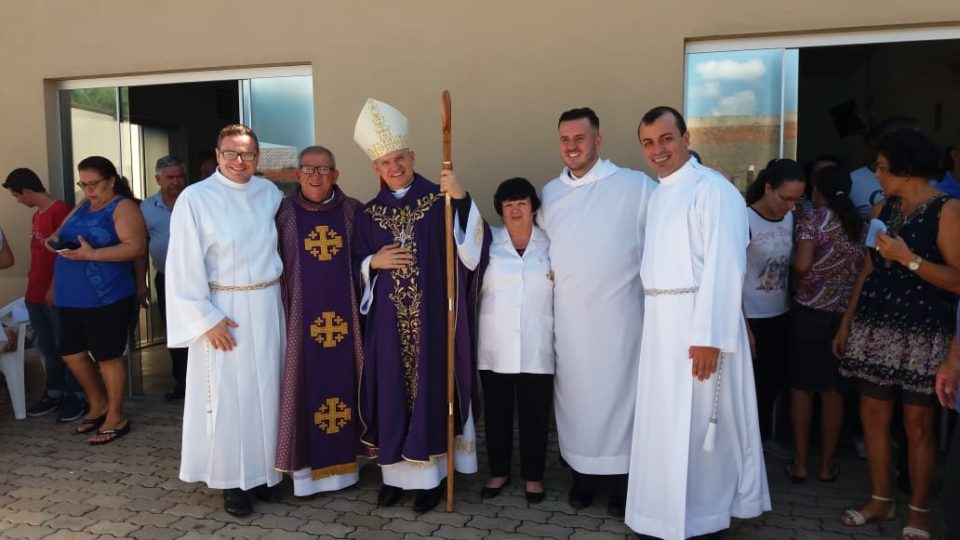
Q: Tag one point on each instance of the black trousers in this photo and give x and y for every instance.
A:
(951, 488)
(533, 395)
(178, 356)
(769, 367)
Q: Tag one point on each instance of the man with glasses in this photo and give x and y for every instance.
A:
(319, 436)
(223, 302)
(170, 174)
(62, 391)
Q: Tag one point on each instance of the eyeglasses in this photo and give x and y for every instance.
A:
(89, 185)
(323, 170)
(231, 155)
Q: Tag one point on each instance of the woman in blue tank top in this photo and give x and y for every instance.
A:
(96, 291)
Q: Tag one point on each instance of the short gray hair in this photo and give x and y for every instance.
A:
(169, 161)
(317, 149)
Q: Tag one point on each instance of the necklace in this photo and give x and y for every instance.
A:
(898, 219)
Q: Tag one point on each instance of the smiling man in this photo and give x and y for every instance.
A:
(685, 481)
(400, 251)
(594, 214)
(319, 436)
(223, 302)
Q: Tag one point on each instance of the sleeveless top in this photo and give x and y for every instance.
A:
(89, 284)
(903, 324)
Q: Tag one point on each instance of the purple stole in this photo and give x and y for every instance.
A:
(403, 401)
(319, 425)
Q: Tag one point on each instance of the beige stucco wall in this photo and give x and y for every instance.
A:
(512, 66)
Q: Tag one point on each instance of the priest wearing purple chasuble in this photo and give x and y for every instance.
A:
(400, 255)
(318, 442)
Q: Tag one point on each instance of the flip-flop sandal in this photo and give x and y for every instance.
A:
(112, 433)
(834, 473)
(794, 478)
(89, 425)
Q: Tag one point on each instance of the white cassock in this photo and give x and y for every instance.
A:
(697, 238)
(224, 233)
(596, 230)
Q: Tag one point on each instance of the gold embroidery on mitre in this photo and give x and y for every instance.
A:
(329, 329)
(406, 295)
(388, 141)
(323, 242)
(332, 416)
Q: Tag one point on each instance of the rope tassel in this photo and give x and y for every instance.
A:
(710, 438)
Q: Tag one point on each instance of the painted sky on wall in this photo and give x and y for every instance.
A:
(741, 82)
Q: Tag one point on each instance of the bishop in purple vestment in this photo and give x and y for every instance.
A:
(400, 250)
(318, 442)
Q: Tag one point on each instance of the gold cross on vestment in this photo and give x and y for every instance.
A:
(329, 329)
(332, 416)
(323, 242)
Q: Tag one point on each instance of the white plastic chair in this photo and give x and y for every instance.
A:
(11, 363)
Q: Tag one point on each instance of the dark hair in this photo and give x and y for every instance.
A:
(23, 178)
(834, 184)
(233, 130)
(515, 189)
(774, 174)
(909, 153)
(106, 169)
(582, 112)
(655, 113)
(808, 171)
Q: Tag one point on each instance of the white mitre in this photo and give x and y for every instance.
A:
(380, 129)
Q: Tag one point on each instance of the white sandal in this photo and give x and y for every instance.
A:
(913, 533)
(858, 520)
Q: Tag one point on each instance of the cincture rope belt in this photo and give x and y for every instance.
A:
(670, 292)
(206, 342)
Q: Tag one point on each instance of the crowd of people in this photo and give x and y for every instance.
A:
(308, 333)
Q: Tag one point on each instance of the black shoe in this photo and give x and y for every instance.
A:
(580, 498)
(491, 492)
(236, 502)
(265, 494)
(389, 495)
(71, 408)
(45, 406)
(534, 497)
(616, 506)
(427, 499)
(173, 395)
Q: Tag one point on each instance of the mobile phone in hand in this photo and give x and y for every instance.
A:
(63, 245)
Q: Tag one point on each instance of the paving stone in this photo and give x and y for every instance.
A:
(370, 534)
(28, 532)
(31, 493)
(200, 526)
(525, 514)
(287, 523)
(236, 530)
(359, 520)
(320, 528)
(822, 535)
(71, 535)
(108, 501)
(615, 526)
(445, 518)
(344, 505)
(460, 533)
(493, 523)
(544, 531)
(310, 513)
(580, 534)
(71, 523)
(499, 535)
(151, 505)
(575, 522)
(421, 528)
(113, 528)
(109, 514)
(150, 532)
(149, 518)
(193, 510)
(287, 535)
(26, 517)
(29, 505)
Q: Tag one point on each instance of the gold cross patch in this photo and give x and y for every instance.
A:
(323, 242)
(332, 416)
(329, 329)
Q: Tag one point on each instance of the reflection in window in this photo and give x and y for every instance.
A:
(741, 109)
(281, 114)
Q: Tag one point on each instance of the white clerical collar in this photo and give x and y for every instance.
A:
(679, 173)
(230, 183)
(398, 194)
(600, 170)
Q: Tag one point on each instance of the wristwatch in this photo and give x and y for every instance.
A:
(914, 263)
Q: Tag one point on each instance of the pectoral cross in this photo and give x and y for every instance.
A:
(403, 237)
(329, 329)
(332, 416)
(323, 243)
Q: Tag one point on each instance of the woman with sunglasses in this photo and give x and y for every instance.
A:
(96, 291)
